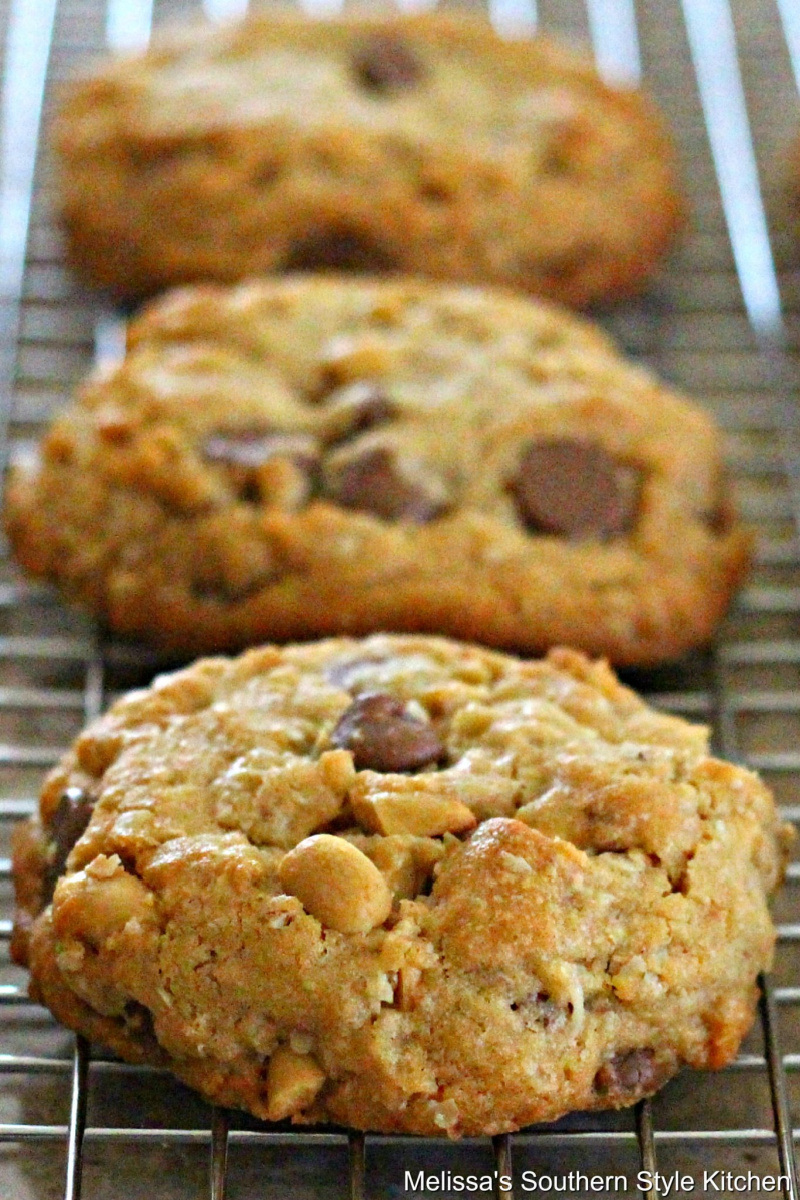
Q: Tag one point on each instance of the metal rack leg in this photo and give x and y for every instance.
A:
(647, 1145)
(777, 1083)
(218, 1167)
(357, 1157)
(77, 1120)
(502, 1159)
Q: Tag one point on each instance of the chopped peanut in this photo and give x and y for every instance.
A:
(406, 862)
(293, 1081)
(283, 483)
(413, 812)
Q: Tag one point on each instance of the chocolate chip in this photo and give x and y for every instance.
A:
(721, 516)
(339, 249)
(562, 268)
(387, 65)
(374, 482)
(65, 827)
(355, 409)
(251, 448)
(575, 489)
(633, 1072)
(383, 736)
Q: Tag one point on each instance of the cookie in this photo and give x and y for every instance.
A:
(308, 456)
(401, 884)
(421, 145)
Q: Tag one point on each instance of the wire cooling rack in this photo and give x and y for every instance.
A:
(724, 322)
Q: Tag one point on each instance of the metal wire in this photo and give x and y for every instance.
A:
(128, 25)
(712, 41)
(615, 40)
(52, 670)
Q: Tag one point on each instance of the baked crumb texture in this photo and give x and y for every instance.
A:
(420, 145)
(400, 884)
(316, 456)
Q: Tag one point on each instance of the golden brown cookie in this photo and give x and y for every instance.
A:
(318, 456)
(401, 884)
(422, 145)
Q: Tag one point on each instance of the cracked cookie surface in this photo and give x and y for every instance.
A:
(417, 145)
(306, 457)
(401, 884)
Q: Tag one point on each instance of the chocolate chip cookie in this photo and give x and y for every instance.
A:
(422, 145)
(401, 884)
(313, 456)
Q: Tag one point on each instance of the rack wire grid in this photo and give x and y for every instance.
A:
(723, 321)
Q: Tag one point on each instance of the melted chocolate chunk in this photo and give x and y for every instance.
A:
(574, 489)
(66, 825)
(387, 65)
(382, 736)
(630, 1073)
(373, 482)
(138, 1021)
(339, 249)
(721, 516)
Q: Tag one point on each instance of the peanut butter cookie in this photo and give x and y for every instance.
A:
(422, 145)
(313, 456)
(400, 884)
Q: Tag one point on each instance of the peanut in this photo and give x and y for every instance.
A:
(347, 358)
(293, 1081)
(283, 483)
(336, 883)
(413, 812)
(98, 902)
